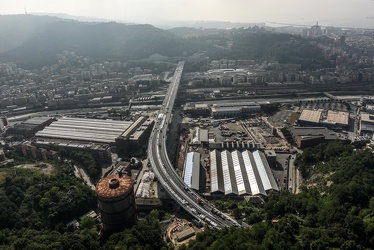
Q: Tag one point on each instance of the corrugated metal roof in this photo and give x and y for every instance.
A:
(226, 173)
(38, 120)
(243, 172)
(192, 170)
(273, 183)
(250, 174)
(196, 172)
(238, 173)
(188, 169)
(261, 170)
(213, 172)
(82, 129)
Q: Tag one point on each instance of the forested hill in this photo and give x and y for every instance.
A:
(34, 41)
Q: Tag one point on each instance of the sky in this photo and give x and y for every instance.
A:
(352, 13)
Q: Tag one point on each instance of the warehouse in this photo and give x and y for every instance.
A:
(310, 117)
(135, 136)
(240, 172)
(95, 135)
(29, 127)
(335, 120)
(84, 130)
(367, 122)
(311, 136)
(234, 109)
(192, 171)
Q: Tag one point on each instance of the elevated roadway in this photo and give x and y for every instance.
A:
(164, 170)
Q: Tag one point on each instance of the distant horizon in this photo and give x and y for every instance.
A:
(184, 23)
(338, 13)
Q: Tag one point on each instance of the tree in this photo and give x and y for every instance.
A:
(237, 213)
(87, 222)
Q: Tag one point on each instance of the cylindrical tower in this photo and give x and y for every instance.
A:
(116, 202)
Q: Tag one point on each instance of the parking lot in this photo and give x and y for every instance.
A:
(280, 118)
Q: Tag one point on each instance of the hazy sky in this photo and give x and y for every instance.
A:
(327, 12)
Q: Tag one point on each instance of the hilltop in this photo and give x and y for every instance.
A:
(34, 41)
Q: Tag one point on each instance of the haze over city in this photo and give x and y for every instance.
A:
(329, 13)
(185, 124)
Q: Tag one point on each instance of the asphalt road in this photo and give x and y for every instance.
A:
(165, 172)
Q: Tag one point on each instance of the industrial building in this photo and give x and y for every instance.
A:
(192, 171)
(234, 109)
(134, 137)
(240, 172)
(367, 122)
(310, 117)
(200, 136)
(271, 157)
(116, 201)
(198, 109)
(28, 128)
(220, 110)
(336, 120)
(311, 136)
(84, 130)
(95, 136)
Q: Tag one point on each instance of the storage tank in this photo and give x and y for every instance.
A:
(116, 202)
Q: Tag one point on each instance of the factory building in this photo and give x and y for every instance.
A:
(240, 172)
(367, 122)
(84, 130)
(335, 120)
(135, 136)
(95, 136)
(311, 136)
(198, 109)
(192, 171)
(200, 136)
(28, 128)
(116, 201)
(310, 117)
(234, 109)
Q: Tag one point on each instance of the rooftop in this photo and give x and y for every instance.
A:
(38, 120)
(338, 117)
(313, 131)
(366, 117)
(83, 129)
(114, 186)
(311, 115)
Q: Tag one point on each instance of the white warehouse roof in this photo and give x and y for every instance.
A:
(243, 172)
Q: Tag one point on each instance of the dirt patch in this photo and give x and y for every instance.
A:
(42, 167)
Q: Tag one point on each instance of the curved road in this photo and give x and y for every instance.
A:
(169, 179)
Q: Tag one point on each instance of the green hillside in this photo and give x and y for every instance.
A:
(34, 41)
